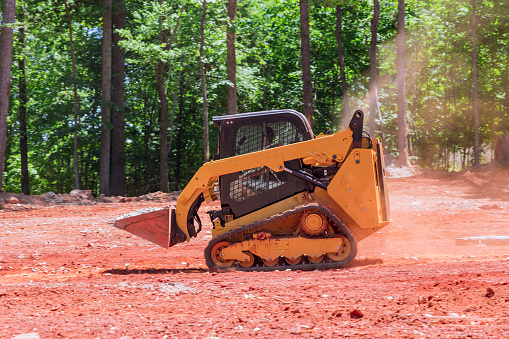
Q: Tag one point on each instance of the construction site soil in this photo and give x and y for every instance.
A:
(66, 273)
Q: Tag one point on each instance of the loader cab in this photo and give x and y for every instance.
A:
(246, 191)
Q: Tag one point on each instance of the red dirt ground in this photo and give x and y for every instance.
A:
(65, 273)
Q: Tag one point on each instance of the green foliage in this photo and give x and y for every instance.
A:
(438, 79)
(438, 53)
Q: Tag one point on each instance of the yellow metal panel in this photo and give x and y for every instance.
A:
(354, 188)
(272, 159)
(337, 146)
(271, 248)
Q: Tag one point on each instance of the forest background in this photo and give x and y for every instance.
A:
(117, 96)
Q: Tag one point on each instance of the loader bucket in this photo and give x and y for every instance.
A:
(153, 226)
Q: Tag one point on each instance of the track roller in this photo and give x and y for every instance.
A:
(294, 260)
(216, 255)
(248, 262)
(271, 262)
(315, 260)
(343, 252)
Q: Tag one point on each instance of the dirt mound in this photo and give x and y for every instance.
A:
(16, 202)
(396, 171)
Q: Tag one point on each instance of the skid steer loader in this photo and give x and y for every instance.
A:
(288, 199)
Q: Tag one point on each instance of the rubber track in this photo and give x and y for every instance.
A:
(259, 226)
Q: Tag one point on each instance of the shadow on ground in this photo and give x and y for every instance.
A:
(154, 271)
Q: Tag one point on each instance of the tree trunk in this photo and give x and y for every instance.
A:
(163, 114)
(117, 178)
(505, 120)
(178, 160)
(305, 50)
(373, 69)
(23, 138)
(231, 60)
(86, 166)
(6, 40)
(474, 70)
(344, 88)
(163, 109)
(147, 140)
(75, 102)
(105, 150)
(172, 116)
(163, 120)
(400, 70)
(380, 117)
(502, 150)
(204, 87)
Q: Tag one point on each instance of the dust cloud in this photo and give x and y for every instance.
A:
(431, 211)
